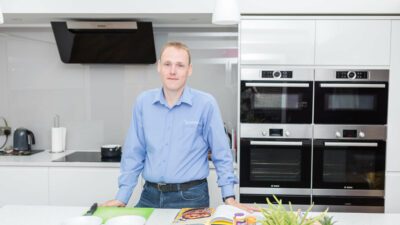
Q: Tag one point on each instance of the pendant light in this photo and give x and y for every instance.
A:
(226, 12)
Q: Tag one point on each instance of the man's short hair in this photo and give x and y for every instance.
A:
(178, 45)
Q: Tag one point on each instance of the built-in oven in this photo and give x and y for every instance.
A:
(349, 167)
(276, 96)
(351, 96)
(275, 159)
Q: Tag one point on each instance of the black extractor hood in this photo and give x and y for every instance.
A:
(105, 42)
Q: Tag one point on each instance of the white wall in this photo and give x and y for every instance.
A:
(94, 101)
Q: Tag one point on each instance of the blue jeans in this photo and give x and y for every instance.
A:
(194, 197)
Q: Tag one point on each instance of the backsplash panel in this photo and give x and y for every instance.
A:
(94, 102)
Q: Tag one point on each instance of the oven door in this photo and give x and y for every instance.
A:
(350, 167)
(275, 163)
(351, 103)
(276, 102)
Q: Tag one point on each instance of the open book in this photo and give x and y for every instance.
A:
(222, 215)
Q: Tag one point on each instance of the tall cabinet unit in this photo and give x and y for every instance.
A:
(328, 42)
(393, 150)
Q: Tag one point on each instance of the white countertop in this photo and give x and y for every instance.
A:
(54, 215)
(45, 159)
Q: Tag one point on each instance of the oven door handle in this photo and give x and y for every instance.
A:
(351, 144)
(333, 85)
(300, 85)
(280, 143)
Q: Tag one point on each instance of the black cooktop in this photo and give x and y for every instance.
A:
(19, 153)
(86, 157)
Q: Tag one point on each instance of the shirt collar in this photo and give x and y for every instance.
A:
(186, 97)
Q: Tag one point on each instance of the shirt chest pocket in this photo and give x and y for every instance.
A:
(191, 128)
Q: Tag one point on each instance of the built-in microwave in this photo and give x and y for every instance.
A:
(276, 96)
(351, 96)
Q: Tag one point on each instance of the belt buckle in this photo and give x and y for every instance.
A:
(160, 185)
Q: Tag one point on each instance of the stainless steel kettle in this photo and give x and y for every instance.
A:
(23, 139)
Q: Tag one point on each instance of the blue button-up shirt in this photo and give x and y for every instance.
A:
(170, 144)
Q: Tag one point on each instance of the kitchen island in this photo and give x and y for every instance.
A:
(54, 215)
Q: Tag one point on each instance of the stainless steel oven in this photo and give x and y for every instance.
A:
(349, 167)
(351, 96)
(276, 96)
(275, 159)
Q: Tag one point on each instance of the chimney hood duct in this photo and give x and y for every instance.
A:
(105, 42)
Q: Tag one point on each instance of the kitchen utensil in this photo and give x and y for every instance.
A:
(109, 151)
(91, 210)
(23, 139)
(83, 220)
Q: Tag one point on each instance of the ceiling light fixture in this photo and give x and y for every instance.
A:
(226, 12)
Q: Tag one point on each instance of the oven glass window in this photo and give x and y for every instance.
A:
(277, 101)
(357, 167)
(275, 165)
(353, 102)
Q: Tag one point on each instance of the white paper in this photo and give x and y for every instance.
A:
(58, 135)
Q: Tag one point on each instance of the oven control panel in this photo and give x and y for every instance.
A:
(276, 74)
(352, 75)
(350, 134)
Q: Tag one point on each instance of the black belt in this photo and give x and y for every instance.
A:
(163, 187)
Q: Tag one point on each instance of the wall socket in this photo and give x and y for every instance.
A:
(5, 131)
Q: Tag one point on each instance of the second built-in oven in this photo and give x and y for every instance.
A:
(351, 96)
(276, 95)
(349, 167)
(275, 159)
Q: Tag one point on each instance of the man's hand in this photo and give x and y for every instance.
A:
(116, 203)
(248, 208)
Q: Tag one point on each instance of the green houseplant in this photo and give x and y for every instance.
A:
(277, 214)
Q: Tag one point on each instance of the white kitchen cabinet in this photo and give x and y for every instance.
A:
(281, 42)
(23, 185)
(392, 193)
(352, 42)
(393, 153)
(82, 186)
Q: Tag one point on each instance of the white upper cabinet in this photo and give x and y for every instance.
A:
(277, 42)
(352, 42)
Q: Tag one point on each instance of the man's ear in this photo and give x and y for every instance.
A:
(190, 70)
(158, 66)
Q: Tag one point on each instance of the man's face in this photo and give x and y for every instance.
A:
(174, 68)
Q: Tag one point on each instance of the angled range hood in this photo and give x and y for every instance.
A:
(104, 42)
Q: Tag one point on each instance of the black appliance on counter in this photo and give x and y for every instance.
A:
(351, 96)
(87, 157)
(349, 168)
(276, 96)
(23, 139)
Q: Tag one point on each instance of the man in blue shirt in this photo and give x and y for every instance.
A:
(171, 131)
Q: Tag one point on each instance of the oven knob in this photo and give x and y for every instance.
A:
(351, 75)
(264, 133)
(361, 134)
(287, 133)
(276, 74)
(338, 134)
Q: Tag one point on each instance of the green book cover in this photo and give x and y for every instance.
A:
(109, 212)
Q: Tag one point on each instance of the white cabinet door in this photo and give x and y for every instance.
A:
(277, 42)
(82, 186)
(392, 192)
(24, 185)
(352, 42)
(393, 153)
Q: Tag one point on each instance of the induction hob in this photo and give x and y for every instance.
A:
(86, 157)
